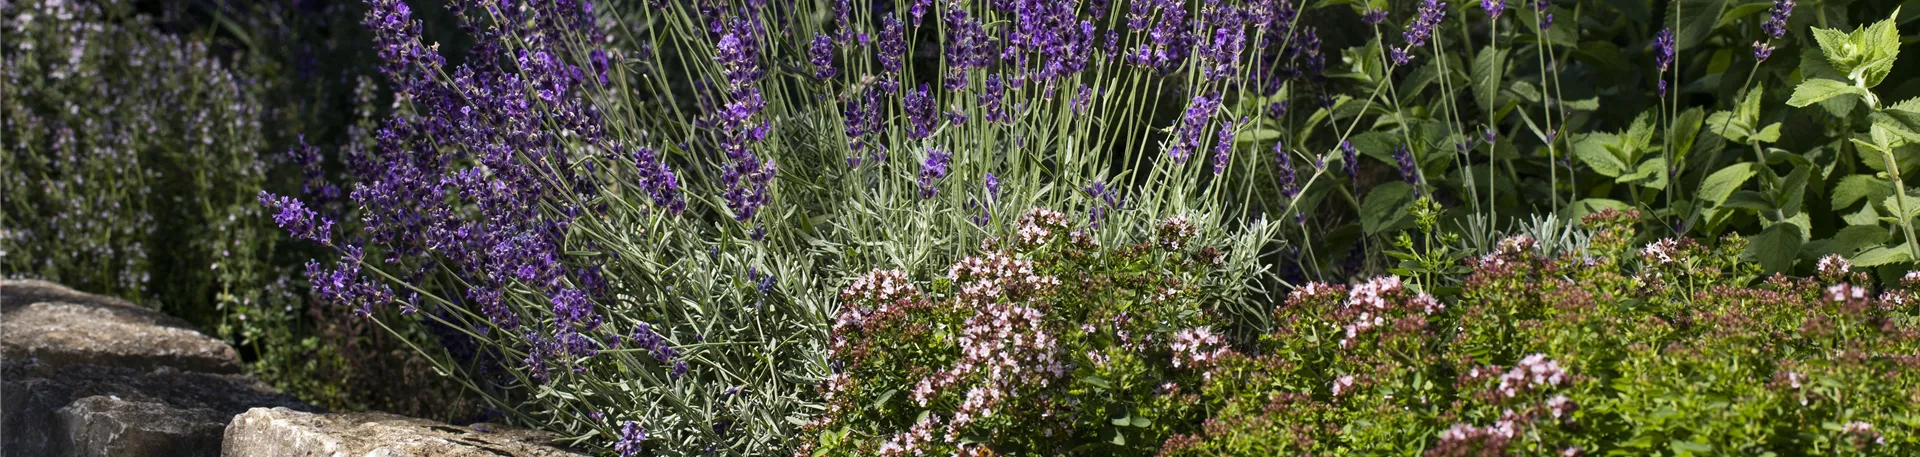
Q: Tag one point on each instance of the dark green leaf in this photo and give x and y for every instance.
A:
(1593, 149)
(1715, 189)
(1384, 205)
(1853, 188)
(1776, 248)
(1735, 13)
(1488, 67)
(1697, 20)
(1855, 238)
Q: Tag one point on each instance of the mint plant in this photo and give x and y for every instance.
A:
(1855, 63)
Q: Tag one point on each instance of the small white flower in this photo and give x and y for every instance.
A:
(1834, 265)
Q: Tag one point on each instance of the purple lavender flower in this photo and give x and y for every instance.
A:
(1399, 56)
(644, 337)
(301, 222)
(1139, 12)
(738, 52)
(631, 436)
(1199, 111)
(1105, 200)
(918, 10)
(1277, 110)
(763, 282)
(1373, 17)
(992, 184)
(1351, 156)
(1082, 99)
(344, 286)
(1761, 51)
(921, 113)
(600, 65)
(1430, 14)
(893, 45)
(661, 184)
(933, 169)
(820, 53)
(1494, 8)
(573, 310)
(968, 46)
(1776, 24)
(1221, 55)
(1169, 39)
(992, 101)
(745, 177)
(397, 42)
(1663, 55)
(1284, 171)
(313, 183)
(1663, 48)
(864, 113)
(1305, 56)
(1404, 157)
(1223, 148)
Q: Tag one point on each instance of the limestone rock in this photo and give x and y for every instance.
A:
(88, 410)
(85, 375)
(57, 326)
(284, 432)
(105, 425)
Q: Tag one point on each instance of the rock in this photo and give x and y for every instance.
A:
(56, 327)
(105, 425)
(85, 375)
(284, 432)
(88, 410)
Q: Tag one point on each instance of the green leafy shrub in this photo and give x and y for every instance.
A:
(131, 160)
(1665, 347)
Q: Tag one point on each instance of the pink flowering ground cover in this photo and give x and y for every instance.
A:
(1053, 345)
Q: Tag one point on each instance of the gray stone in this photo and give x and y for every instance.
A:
(85, 375)
(87, 410)
(284, 432)
(105, 426)
(56, 327)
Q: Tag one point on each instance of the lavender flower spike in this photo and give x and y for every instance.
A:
(294, 216)
(631, 435)
(933, 169)
(1663, 55)
(1431, 13)
(1351, 156)
(1776, 24)
(1408, 172)
(1284, 171)
(820, 54)
(1223, 148)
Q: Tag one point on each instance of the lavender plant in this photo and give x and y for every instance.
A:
(631, 221)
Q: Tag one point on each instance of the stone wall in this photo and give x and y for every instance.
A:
(85, 375)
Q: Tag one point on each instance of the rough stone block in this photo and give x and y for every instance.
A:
(284, 432)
